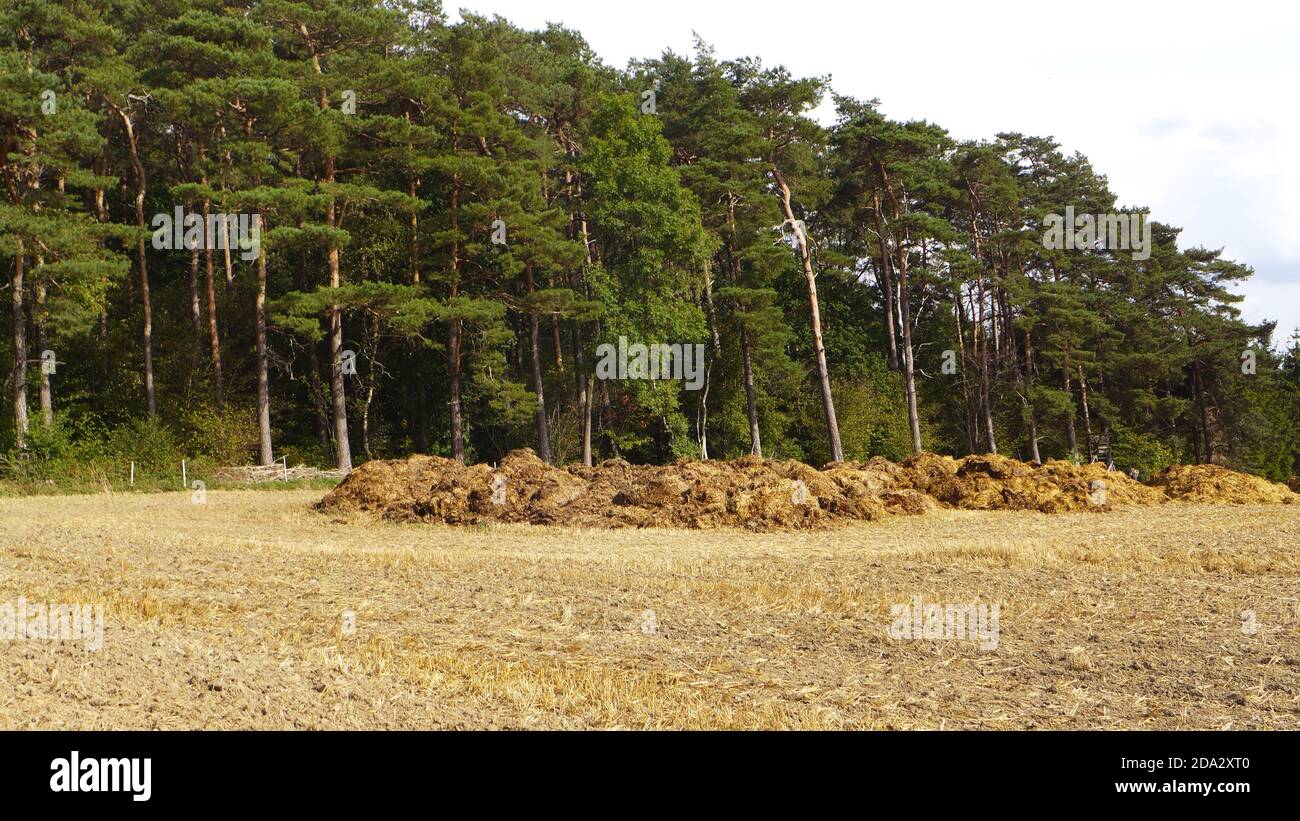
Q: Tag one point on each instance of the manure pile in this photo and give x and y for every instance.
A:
(761, 494)
(1218, 485)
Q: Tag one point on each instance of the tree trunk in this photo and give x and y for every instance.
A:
(968, 411)
(582, 392)
(20, 351)
(453, 388)
(534, 348)
(151, 399)
(905, 316)
(1071, 435)
(1206, 445)
(225, 249)
(556, 342)
(909, 366)
(214, 333)
(1087, 416)
(986, 404)
(823, 372)
(886, 284)
(454, 332)
(265, 452)
(195, 308)
(1029, 405)
(751, 395)
(411, 187)
(711, 315)
(372, 350)
(338, 395)
(607, 419)
(40, 321)
(586, 419)
(338, 392)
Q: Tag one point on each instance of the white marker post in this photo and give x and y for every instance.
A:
(185, 480)
(133, 474)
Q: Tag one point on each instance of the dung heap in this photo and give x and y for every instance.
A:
(763, 494)
(750, 492)
(1218, 485)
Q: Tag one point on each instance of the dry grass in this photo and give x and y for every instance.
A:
(228, 615)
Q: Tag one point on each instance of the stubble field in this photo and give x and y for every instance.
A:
(255, 611)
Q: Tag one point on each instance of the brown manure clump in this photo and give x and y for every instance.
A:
(761, 494)
(1217, 485)
(993, 482)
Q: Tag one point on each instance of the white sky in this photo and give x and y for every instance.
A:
(1191, 108)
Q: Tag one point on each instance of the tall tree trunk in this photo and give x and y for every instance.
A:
(225, 249)
(338, 393)
(411, 186)
(372, 351)
(814, 311)
(20, 351)
(982, 341)
(40, 322)
(986, 405)
(265, 451)
(1203, 411)
(751, 394)
(1031, 419)
(454, 332)
(886, 283)
(196, 310)
(607, 419)
(151, 399)
(711, 315)
(1071, 436)
(214, 333)
(582, 392)
(587, 402)
(556, 342)
(534, 348)
(905, 314)
(1087, 416)
(909, 365)
(968, 410)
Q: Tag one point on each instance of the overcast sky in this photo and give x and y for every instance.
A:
(1190, 108)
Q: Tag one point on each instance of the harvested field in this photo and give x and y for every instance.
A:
(762, 494)
(232, 615)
